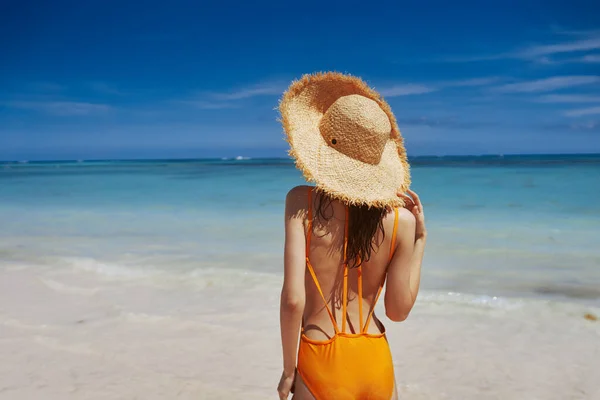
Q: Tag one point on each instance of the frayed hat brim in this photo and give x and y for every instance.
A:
(335, 174)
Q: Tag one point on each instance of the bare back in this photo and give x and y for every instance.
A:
(326, 255)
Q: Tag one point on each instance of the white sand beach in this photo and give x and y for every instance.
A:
(75, 334)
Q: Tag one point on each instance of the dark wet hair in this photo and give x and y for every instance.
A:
(363, 227)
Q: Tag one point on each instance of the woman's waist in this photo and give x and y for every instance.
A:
(319, 326)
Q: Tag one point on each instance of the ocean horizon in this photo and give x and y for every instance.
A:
(530, 157)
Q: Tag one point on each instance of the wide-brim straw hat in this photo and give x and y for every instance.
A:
(344, 138)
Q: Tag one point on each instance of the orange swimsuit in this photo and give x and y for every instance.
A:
(349, 366)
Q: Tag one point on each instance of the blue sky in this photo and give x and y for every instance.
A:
(108, 79)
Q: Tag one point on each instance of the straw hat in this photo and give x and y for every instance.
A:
(345, 138)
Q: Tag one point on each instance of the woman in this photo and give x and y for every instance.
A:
(352, 232)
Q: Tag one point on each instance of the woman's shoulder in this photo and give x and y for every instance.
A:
(298, 191)
(405, 215)
(297, 198)
(406, 219)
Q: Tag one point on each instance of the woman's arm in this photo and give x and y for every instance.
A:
(404, 272)
(293, 296)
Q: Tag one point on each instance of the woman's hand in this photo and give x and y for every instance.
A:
(414, 205)
(286, 385)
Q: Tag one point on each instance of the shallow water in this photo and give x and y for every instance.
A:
(499, 226)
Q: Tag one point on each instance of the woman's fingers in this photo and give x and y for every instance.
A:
(408, 202)
(414, 195)
(412, 202)
(405, 197)
(416, 199)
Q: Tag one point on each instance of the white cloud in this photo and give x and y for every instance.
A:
(406, 90)
(591, 58)
(208, 105)
(587, 40)
(467, 59)
(586, 126)
(263, 89)
(568, 98)
(472, 82)
(568, 47)
(583, 111)
(60, 108)
(547, 84)
(586, 59)
(231, 99)
(415, 88)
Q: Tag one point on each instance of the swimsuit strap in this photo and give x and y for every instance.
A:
(360, 293)
(392, 250)
(308, 264)
(345, 293)
(310, 223)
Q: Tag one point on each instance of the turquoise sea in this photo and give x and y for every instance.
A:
(517, 226)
